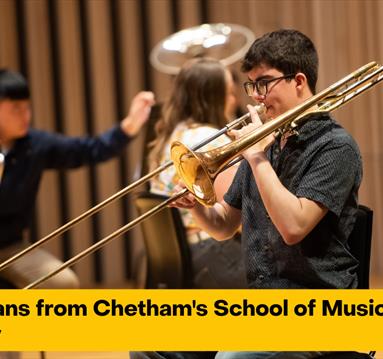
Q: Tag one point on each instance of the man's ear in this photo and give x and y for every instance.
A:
(301, 81)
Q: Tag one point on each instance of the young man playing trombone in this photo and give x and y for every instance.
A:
(296, 195)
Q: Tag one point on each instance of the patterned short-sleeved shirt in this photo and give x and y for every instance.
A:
(189, 135)
(323, 164)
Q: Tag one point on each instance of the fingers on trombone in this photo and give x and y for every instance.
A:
(243, 131)
(186, 201)
(254, 115)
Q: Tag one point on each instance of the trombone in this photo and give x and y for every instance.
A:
(198, 170)
(123, 192)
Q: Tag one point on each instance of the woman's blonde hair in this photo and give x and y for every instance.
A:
(198, 96)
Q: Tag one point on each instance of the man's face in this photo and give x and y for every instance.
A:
(281, 94)
(15, 117)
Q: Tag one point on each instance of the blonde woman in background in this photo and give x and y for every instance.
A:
(200, 103)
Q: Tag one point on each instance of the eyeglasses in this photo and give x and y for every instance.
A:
(262, 85)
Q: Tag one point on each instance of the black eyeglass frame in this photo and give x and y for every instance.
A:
(250, 86)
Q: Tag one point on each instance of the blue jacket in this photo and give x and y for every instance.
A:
(30, 156)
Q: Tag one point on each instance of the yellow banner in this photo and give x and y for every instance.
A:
(120, 320)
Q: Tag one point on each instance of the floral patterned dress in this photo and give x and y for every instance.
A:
(189, 135)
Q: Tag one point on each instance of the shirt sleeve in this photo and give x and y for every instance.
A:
(70, 152)
(233, 196)
(331, 177)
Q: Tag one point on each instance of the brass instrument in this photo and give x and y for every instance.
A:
(227, 43)
(123, 192)
(199, 170)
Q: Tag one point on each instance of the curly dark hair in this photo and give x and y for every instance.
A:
(288, 51)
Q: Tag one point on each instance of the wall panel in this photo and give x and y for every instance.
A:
(8, 35)
(74, 124)
(160, 26)
(189, 13)
(41, 84)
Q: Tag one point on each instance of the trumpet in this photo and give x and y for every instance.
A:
(198, 170)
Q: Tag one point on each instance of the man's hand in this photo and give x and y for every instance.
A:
(187, 201)
(221, 221)
(138, 113)
(260, 146)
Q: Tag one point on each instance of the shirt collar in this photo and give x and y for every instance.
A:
(312, 126)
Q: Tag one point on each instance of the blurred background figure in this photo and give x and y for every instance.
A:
(226, 43)
(199, 104)
(26, 153)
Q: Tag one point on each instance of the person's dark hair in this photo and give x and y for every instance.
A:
(198, 96)
(288, 51)
(13, 86)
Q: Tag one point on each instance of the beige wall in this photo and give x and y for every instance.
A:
(86, 59)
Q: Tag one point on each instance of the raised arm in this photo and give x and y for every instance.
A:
(61, 151)
(138, 113)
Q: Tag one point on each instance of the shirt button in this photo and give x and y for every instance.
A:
(261, 277)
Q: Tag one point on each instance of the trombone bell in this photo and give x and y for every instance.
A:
(198, 170)
(194, 173)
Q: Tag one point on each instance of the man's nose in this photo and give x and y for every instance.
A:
(258, 98)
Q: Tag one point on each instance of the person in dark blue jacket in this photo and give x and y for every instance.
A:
(24, 154)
